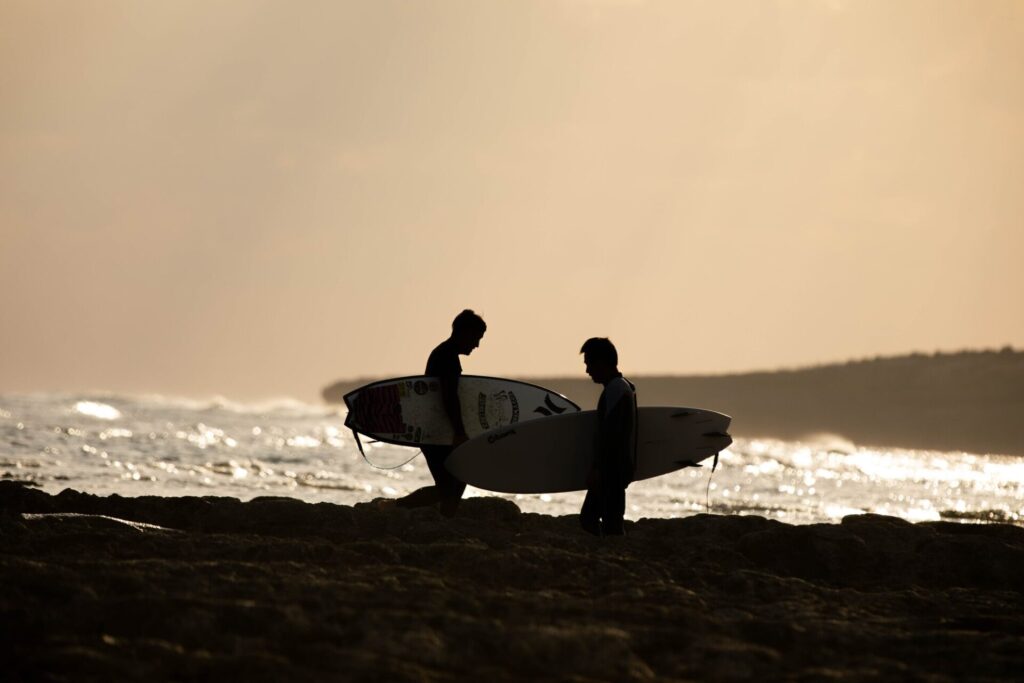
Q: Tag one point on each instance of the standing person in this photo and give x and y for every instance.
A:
(467, 330)
(615, 461)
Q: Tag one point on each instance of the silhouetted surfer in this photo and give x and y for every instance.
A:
(467, 330)
(615, 461)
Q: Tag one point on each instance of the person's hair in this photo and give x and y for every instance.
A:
(469, 321)
(600, 349)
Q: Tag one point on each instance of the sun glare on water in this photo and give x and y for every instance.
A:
(100, 411)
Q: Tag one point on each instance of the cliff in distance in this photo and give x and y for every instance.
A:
(971, 401)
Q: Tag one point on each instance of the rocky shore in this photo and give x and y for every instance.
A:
(112, 588)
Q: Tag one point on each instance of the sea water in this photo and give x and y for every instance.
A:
(135, 446)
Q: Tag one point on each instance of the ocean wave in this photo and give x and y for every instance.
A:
(282, 405)
(88, 403)
(1004, 516)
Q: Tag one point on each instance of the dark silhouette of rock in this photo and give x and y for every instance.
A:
(151, 588)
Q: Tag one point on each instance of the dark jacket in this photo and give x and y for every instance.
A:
(616, 456)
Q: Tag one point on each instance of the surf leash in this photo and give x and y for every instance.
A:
(707, 493)
(362, 452)
(360, 444)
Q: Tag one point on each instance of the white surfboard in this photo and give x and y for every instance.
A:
(408, 410)
(555, 455)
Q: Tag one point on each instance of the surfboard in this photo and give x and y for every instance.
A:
(555, 455)
(408, 411)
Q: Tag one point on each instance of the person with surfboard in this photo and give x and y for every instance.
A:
(615, 461)
(467, 330)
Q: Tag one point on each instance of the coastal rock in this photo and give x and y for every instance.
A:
(276, 589)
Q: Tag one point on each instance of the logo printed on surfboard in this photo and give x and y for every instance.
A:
(498, 437)
(551, 408)
(481, 410)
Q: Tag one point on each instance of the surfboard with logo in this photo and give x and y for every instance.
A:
(555, 455)
(408, 411)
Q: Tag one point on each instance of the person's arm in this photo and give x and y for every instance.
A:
(615, 435)
(452, 406)
(617, 438)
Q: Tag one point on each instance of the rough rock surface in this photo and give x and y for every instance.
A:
(111, 588)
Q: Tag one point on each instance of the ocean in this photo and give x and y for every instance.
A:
(158, 446)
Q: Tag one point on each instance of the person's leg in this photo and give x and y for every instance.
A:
(614, 509)
(421, 497)
(449, 488)
(426, 495)
(590, 513)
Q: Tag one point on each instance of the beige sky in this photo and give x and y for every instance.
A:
(254, 198)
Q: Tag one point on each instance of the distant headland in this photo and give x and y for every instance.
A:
(969, 400)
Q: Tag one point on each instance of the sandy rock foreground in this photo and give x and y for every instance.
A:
(111, 588)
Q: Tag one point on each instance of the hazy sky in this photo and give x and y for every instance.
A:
(255, 198)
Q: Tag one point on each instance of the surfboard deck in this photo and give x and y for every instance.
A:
(408, 411)
(555, 455)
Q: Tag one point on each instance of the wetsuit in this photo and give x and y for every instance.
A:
(444, 364)
(605, 504)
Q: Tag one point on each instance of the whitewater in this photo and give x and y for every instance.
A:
(157, 446)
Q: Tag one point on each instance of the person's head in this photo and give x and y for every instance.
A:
(467, 330)
(600, 358)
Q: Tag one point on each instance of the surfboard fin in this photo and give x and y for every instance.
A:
(688, 463)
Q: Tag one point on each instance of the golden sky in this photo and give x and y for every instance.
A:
(254, 198)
